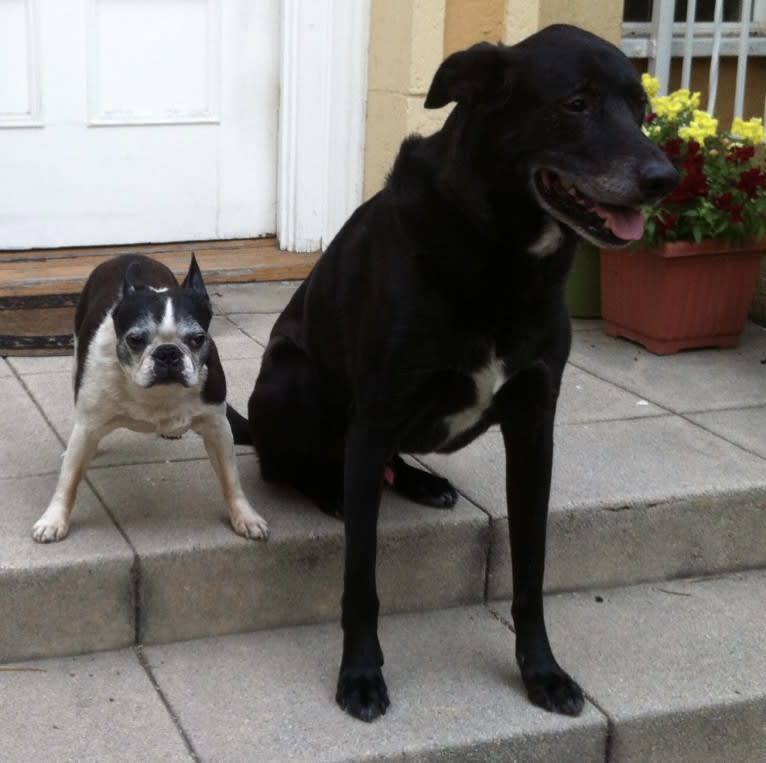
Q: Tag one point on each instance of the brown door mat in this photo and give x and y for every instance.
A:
(39, 288)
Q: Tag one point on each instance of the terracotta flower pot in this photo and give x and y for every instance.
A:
(680, 295)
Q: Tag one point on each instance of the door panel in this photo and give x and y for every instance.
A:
(158, 120)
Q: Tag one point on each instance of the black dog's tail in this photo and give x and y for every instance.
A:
(240, 427)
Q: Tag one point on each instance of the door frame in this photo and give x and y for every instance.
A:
(322, 113)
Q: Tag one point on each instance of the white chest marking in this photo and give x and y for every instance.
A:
(488, 380)
(548, 241)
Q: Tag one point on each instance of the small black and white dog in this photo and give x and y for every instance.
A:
(144, 361)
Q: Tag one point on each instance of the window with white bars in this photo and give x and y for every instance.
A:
(637, 27)
(663, 29)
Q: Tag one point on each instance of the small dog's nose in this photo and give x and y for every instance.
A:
(657, 180)
(167, 353)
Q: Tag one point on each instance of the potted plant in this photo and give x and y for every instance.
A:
(689, 281)
(584, 283)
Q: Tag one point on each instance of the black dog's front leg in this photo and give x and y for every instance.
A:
(527, 428)
(361, 689)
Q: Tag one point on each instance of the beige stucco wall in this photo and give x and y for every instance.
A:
(406, 47)
(523, 17)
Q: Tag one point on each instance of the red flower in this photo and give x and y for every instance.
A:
(672, 148)
(740, 154)
(665, 223)
(649, 118)
(726, 203)
(751, 181)
(693, 181)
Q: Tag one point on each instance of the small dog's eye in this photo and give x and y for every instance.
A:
(196, 340)
(136, 341)
(576, 104)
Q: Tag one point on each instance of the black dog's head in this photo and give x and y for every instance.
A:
(162, 332)
(557, 116)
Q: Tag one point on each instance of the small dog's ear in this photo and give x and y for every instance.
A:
(193, 278)
(474, 74)
(133, 279)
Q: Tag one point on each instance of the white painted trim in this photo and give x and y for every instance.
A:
(33, 117)
(98, 117)
(323, 104)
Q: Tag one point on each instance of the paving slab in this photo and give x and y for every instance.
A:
(67, 597)
(199, 578)
(99, 707)
(42, 364)
(456, 695)
(232, 342)
(5, 369)
(745, 427)
(679, 668)
(645, 499)
(587, 324)
(586, 398)
(264, 297)
(697, 380)
(28, 445)
(256, 325)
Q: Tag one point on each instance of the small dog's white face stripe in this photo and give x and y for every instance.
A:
(167, 329)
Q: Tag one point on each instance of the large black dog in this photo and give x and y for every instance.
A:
(438, 310)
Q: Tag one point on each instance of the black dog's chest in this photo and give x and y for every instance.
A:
(458, 408)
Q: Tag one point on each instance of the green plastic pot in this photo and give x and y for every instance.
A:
(584, 284)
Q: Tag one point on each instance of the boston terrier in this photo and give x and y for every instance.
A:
(144, 361)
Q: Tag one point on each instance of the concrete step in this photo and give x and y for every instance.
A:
(673, 672)
(643, 491)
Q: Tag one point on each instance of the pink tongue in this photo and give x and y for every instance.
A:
(627, 224)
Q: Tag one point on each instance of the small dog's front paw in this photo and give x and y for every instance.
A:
(362, 693)
(555, 691)
(47, 530)
(250, 524)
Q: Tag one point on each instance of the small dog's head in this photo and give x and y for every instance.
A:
(162, 332)
(557, 117)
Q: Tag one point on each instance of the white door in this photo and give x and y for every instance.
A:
(131, 121)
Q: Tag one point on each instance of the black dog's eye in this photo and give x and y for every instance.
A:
(578, 103)
(196, 341)
(136, 341)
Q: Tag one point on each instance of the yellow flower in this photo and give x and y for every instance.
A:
(651, 84)
(751, 131)
(702, 126)
(667, 106)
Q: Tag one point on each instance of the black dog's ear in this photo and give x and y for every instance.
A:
(474, 74)
(133, 279)
(193, 278)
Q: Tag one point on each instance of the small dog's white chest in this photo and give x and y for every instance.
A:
(172, 420)
(488, 380)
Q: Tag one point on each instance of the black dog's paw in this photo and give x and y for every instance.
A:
(439, 493)
(555, 691)
(362, 693)
(421, 486)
